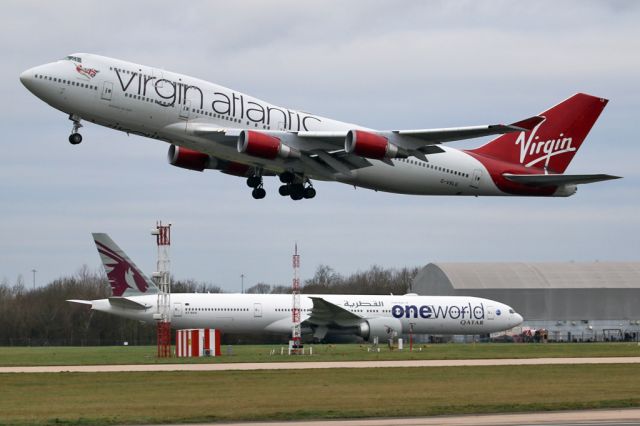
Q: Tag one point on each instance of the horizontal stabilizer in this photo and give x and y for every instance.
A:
(81, 302)
(557, 179)
(125, 303)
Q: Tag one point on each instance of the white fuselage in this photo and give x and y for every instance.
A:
(160, 104)
(269, 313)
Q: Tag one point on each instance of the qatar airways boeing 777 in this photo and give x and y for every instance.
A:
(136, 297)
(211, 127)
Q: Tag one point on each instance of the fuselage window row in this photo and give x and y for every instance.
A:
(67, 82)
(436, 168)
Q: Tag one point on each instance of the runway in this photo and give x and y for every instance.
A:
(316, 365)
(626, 417)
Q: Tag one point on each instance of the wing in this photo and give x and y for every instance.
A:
(556, 179)
(416, 139)
(322, 153)
(460, 133)
(327, 313)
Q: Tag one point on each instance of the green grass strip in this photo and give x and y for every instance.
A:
(177, 397)
(23, 356)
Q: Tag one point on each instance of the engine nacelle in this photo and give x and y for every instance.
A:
(382, 328)
(371, 145)
(264, 146)
(187, 158)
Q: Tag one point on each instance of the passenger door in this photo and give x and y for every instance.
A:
(475, 178)
(107, 90)
(257, 310)
(177, 309)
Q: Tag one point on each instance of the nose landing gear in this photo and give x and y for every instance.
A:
(75, 138)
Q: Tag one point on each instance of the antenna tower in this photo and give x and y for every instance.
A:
(296, 332)
(163, 280)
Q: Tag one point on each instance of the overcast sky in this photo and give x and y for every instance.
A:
(382, 64)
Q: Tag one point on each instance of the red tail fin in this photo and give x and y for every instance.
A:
(551, 144)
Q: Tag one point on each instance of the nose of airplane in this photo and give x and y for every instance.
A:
(518, 318)
(26, 78)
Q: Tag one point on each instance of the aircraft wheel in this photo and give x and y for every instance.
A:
(253, 181)
(258, 193)
(284, 190)
(309, 192)
(75, 138)
(287, 177)
(296, 191)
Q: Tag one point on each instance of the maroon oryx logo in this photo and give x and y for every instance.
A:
(122, 275)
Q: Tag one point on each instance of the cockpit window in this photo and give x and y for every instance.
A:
(511, 311)
(74, 59)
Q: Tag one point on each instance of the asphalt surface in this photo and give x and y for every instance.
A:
(626, 417)
(317, 365)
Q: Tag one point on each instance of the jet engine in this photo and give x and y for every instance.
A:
(264, 146)
(187, 158)
(371, 145)
(382, 328)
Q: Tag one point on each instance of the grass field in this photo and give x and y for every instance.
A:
(14, 356)
(135, 398)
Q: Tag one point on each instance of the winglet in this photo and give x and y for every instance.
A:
(527, 124)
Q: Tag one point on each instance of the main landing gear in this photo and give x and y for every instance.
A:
(297, 189)
(295, 186)
(75, 138)
(255, 182)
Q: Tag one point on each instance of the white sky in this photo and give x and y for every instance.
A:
(383, 64)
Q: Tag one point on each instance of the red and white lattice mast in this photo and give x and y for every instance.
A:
(163, 280)
(296, 331)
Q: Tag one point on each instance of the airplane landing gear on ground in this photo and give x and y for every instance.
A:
(255, 182)
(75, 138)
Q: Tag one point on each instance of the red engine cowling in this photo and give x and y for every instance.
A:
(370, 145)
(187, 158)
(264, 146)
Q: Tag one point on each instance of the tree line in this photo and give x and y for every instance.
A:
(42, 316)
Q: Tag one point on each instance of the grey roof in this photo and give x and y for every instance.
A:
(515, 275)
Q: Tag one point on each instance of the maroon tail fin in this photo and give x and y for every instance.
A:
(551, 144)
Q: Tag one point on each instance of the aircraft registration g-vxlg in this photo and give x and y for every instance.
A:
(212, 127)
(134, 296)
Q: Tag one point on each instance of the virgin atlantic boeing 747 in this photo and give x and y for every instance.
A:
(211, 127)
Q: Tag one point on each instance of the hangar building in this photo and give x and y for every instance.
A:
(573, 301)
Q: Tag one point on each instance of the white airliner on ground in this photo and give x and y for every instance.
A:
(212, 127)
(134, 296)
